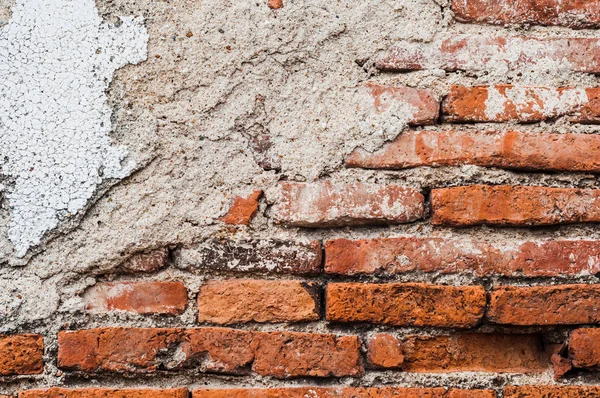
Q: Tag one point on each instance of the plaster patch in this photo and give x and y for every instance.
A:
(57, 59)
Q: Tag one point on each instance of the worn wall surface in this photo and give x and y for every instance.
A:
(153, 141)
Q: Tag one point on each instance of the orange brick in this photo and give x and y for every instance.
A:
(139, 297)
(584, 348)
(426, 109)
(551, 392)
(406, 304)
(21, 354)
(242, 209)
(103, 393)
(514, 205)
(243, 300)
(384, 351)
(502, 149)
(344, 392)
(545, 305)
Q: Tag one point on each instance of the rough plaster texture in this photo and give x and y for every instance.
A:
(235, 96)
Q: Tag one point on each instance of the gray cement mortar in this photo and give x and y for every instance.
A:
(218, 75)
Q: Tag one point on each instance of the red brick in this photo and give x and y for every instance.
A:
(267, 255)
(502, 149)
(216, 350)
(422, 102)
(242, 209)
(552, 392)
(391, 256)
(147, 261)
(475, 352)
(104, 393)
(243, 300)
(571, 13)
(483, 53)
(406, 304)
(503, 103)
(514, 205)
(384, 351)
(344, 392)
(325, 204)
(584, 348)
(275, 4)
(139, 297)
(545, 305)
(21, 354)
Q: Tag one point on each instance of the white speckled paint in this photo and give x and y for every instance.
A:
(57, 59)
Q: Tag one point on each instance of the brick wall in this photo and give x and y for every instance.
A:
(482, 293)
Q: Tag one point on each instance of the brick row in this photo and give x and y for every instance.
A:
(104, 393)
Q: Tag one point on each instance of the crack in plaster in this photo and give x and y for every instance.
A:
(57, 59)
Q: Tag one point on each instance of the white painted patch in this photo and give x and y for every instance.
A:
(56, 61)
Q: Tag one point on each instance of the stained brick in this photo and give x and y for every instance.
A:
(147, 262)
(475, 352)
(325, 204)
(484, 53)
(584, 348)
(406, 304)
(236, 301)
(552, 392)
(502, 103)
(571, 13)
(424, 107)
(267, 255)
(104, 393)
(21, 354)
(216, 350)
(384, 351)
(390, 256)
(502, 149)
(138, 297)
(344, 392)
(242, 209)
(514, 205)
(545, 305)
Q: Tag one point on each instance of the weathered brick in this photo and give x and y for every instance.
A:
(325, 204)
(406, 304)
(475, 352)
(275, 4)
(147, 262)
(552, 392)
(104, 393)
(502, 149)
(545, 305)
(242, 209)
(217, 350)
(514, 205)
(138, 297)
(390, 256)
(384, 351)
(571, 13)
(21, 354)
(344, 392)
(425, 108)
(272, 256)
(584, 348)
(484, 53)
(502, 103)
(262, 301)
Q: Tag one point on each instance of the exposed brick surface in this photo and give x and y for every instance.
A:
(326, 204)
(272, 256)
(390, 256)
(481, 52)
(242, 209)
(425, 108)
(341, 392)
(384, 351)
(545, 305)
(219, 350)
(571, 13)
(140, 297)
(503, 149)
(234, 301)
(104, 393)
(552, 392)
(21, 354)
(147, 262)
(584, 348)
(475, 352)
(514, 205)
(406, 304)
(275, 4)
(501, 103)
